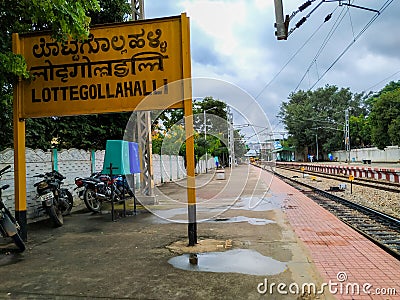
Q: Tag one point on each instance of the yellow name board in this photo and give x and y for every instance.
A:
(113, 71)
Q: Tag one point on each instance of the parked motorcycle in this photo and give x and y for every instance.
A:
(99, 188)
(9, 226)
(56, 201)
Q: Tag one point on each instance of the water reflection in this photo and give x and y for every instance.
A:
(244, 261)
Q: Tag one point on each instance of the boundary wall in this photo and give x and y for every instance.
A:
(388, 155)
(73, 163)
(389, 174)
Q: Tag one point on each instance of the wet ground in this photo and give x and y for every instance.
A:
(244, 261)
(92, 257)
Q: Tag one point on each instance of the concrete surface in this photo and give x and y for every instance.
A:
(91, 257)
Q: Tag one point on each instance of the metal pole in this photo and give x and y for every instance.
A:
(205, 137)
(347, 134)
(144, 125)
(316, 142)
(19, 151)
(231, 139)
(188, 115)
(279, 21)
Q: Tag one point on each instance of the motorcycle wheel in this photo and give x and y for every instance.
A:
(70, 202)
(19, 242)
(91, 202)
(55, 215)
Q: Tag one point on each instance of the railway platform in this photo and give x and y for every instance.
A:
(258, 238)
(338, 251)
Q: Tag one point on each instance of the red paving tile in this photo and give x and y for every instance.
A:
(338, 250)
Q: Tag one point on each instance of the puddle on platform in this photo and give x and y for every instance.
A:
(238, 219)
(260, 203)
(244, 261)
(208, 213)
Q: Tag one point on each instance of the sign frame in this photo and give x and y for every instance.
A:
(178, 99)
(112, 71)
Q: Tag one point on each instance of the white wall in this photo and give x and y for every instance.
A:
(389, 154)
(168, 168)
(73, 163)
(201, 165)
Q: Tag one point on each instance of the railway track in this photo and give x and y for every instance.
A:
(380, 228)
(366, 182)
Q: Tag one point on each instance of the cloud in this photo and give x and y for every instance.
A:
(234, 40)
(203, 49)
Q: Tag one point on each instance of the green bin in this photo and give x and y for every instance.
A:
(117, 155)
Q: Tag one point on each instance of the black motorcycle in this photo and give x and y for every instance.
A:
(8, 224)
(99, 187)
(56, 201)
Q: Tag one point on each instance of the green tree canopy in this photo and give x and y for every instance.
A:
(311, 116)
(385, 117)
(65, 18)
(214, 143)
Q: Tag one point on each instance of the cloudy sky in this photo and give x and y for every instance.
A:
(234, 41)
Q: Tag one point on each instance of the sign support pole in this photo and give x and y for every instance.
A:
(188, 113)
(19, 153)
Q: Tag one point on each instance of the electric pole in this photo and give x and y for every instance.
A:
(144, 126)
(282, 25)
(231, 138)
(347, 134)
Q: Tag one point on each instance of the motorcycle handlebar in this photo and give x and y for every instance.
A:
(4, 169)
(4, 187)
(53, 174)
(58, 174)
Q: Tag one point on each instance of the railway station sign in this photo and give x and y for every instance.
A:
(112, 71)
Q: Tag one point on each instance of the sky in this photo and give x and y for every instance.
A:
(234, 41)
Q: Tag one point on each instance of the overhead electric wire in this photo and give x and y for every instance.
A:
(351, 21)
(383, 80)
(384, 6)
(304, 19)
(327, 18)
(301, 8)
(324, 44)
(286, 64)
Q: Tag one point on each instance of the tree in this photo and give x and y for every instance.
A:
(360, 131)
(215, 143)
(64, 18)
(239, 145)
(385, 117)
(111, 11)
(318, 116)
(92, 131)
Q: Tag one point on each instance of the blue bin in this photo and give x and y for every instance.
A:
(134, 162)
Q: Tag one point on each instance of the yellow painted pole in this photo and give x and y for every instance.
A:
(19, 151)
(188, 113)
